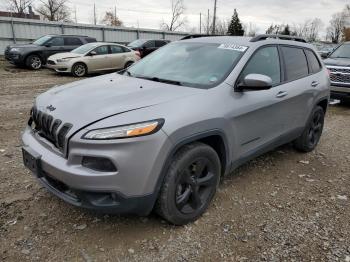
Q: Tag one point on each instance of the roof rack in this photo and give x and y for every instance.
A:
(281, 37)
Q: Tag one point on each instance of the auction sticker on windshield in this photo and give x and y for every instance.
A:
(234, 47)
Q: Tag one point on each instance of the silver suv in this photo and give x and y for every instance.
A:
(338, 64)
(162, 133)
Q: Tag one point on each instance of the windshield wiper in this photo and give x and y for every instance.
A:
(161, 80)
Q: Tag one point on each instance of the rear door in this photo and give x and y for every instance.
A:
(299, 87)
(99, 61)
(71, 43)
(117, 57)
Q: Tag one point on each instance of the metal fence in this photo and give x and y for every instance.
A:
(18, 30)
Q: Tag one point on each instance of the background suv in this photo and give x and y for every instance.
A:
(145, 47)
(338, 64)
(162, 133)
(35, 54)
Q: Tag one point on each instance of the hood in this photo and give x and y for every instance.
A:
(337, 62)
(84, 102)
(65, 55)
(23, 46)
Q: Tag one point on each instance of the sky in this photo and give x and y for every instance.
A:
(150, 13)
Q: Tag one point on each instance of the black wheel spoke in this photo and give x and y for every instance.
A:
(200, 166)
(183, 199)
(208, 180)
(196, 201)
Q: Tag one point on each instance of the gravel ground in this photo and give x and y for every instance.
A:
(283, 206)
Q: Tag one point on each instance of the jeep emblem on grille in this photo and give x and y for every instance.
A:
(51, 108)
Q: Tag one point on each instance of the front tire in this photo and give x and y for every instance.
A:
(190, 184)
(79, 70)
(309, 139)
(34, 62)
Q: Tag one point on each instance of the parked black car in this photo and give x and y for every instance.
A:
(35, 54)
(146, 47)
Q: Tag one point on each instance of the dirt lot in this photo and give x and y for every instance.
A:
(282, 206)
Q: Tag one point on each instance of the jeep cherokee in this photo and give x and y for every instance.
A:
(161, 134)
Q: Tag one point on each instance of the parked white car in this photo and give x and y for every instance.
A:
(92, 58)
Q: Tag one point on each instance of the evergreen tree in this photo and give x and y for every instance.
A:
(286, 30)
(235, 28)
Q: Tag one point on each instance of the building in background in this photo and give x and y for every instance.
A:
(29, 15)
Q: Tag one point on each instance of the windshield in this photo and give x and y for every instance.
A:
(84, 48)
(342, 51)
(137, 43)
(201, 65)
(42, 40)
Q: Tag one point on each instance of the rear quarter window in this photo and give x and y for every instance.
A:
(72, 41)
(314, 63)
(295, 63)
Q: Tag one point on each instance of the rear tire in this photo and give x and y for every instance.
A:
(309, 139)
(79, 70)
(190, 184)
(34, 62)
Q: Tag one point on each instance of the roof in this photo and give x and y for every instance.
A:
(247, 41)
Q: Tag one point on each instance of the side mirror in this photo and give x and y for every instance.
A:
(325, 55)
(92, 53)
(48, 45)
(255, 82)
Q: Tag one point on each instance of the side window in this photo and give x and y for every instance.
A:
(116, 49)
(149, 44)
(160, 43)
(265, 62)
(296, 64)
(72, 41)
(56, 41)
(101, 50)
(126, 50)
(314, 63)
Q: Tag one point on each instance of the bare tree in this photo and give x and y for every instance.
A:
(54, 10)
(250, 29)
(309, 29)
(18, 6)
(177, 16)
(336, 27)
(111, 19)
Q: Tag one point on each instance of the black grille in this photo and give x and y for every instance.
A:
(7, 52)
(50, 62)
(340, 78)
(50, 128)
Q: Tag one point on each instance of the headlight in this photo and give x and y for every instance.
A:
(63, 60)
(132, 130)
(14, 49)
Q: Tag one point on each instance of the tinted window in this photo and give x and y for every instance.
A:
(90, 40)
(265, 62)
(116, 49)
(56, 41)
(160, 43)
(101, 50)
(149, 44)
(296, 64)
(72, 41)
(314, 63)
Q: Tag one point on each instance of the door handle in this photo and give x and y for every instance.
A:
(315, 84)
(281, 94)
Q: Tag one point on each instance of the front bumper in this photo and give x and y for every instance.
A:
(14, 58)
(131, 189)
(59, 67)
(340, 91)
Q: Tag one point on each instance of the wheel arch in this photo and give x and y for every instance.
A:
(323, 102)
(214, 138)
